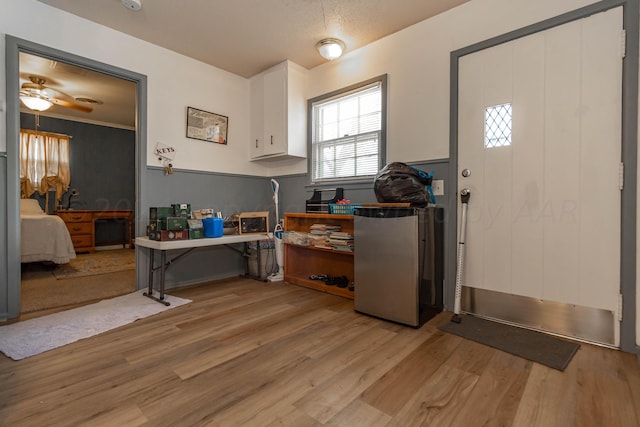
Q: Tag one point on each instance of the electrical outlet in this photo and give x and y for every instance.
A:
(437, 185)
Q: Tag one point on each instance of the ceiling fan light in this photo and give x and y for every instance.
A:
(330, 48)
(36, 103)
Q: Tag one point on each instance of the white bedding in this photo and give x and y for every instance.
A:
(43, 237)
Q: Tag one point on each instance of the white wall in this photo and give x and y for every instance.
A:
(417, 62)
(174, 82)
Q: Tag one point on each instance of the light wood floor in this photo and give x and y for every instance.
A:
(265, 354)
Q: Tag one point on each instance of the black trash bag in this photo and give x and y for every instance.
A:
(400, 183)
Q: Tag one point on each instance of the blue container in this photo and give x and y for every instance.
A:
(213, 227)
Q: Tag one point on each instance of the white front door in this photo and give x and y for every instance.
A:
(539, 130)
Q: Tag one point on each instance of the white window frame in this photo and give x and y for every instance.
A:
(381, 134)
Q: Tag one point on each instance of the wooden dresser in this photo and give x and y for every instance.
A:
(81, 226)
(81, 229)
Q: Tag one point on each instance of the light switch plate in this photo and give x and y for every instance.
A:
(437, 185)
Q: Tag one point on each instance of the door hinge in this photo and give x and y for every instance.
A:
(619, 307)
(623, 43)
(621, 176)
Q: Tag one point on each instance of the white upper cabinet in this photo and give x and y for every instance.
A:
(279, 113)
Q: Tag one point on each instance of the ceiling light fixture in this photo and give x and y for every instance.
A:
(330, 48)
(36, 103)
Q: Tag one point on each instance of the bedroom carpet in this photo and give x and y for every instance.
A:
(30, 337)
(40, 290)
(97, 263)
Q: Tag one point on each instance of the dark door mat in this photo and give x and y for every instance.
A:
(531, 345)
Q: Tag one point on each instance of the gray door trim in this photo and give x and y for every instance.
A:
(629, 148)
(13, 47)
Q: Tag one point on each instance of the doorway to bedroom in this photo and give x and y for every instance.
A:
(98, 204)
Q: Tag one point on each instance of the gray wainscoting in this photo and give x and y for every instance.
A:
(222, 192)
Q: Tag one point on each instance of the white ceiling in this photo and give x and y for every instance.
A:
(243, 37)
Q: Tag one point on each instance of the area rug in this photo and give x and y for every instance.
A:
(531, 345)
(30, 337)
(97, 263)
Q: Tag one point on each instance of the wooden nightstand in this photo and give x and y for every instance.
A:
(81, 229)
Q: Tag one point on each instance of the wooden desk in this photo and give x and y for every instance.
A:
(82, 226)
(189, 245)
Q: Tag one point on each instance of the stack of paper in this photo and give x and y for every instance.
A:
(319, 235)
(341, 241)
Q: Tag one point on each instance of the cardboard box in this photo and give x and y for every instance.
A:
(168, 235)
(196, 233)
(174, 223)
(157, 213)
(158, 224)
(194, 223)
(203, 213)
(181, 209)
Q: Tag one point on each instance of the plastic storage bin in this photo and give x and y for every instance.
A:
(343, 209)
(213, 227)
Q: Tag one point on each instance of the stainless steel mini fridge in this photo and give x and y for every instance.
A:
(398, 263)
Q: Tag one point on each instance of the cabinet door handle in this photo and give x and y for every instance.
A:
(271, 139)
(256, 143)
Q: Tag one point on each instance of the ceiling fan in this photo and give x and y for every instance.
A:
(37, 96)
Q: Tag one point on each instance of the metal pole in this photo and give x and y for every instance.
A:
(465, 195)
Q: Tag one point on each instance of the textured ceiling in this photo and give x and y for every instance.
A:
(249, 36)
(243, 37)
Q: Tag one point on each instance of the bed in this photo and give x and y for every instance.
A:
(43, 237)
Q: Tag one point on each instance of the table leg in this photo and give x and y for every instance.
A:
(163, 267)
(149, 292)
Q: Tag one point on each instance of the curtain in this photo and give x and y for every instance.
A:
(44, 163)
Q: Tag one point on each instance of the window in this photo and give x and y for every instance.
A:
(348, 129)
(497, 126)
(44, 163)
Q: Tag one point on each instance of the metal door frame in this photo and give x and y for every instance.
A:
(629, 139)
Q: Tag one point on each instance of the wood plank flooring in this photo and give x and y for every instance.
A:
(247, 353)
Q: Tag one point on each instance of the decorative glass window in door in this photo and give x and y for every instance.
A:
(497, 126)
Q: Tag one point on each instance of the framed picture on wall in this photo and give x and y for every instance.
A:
(207, 126)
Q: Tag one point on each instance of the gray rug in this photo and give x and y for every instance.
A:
(30, 337)
(531, 345)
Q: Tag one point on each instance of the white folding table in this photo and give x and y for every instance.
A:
(189, 245)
